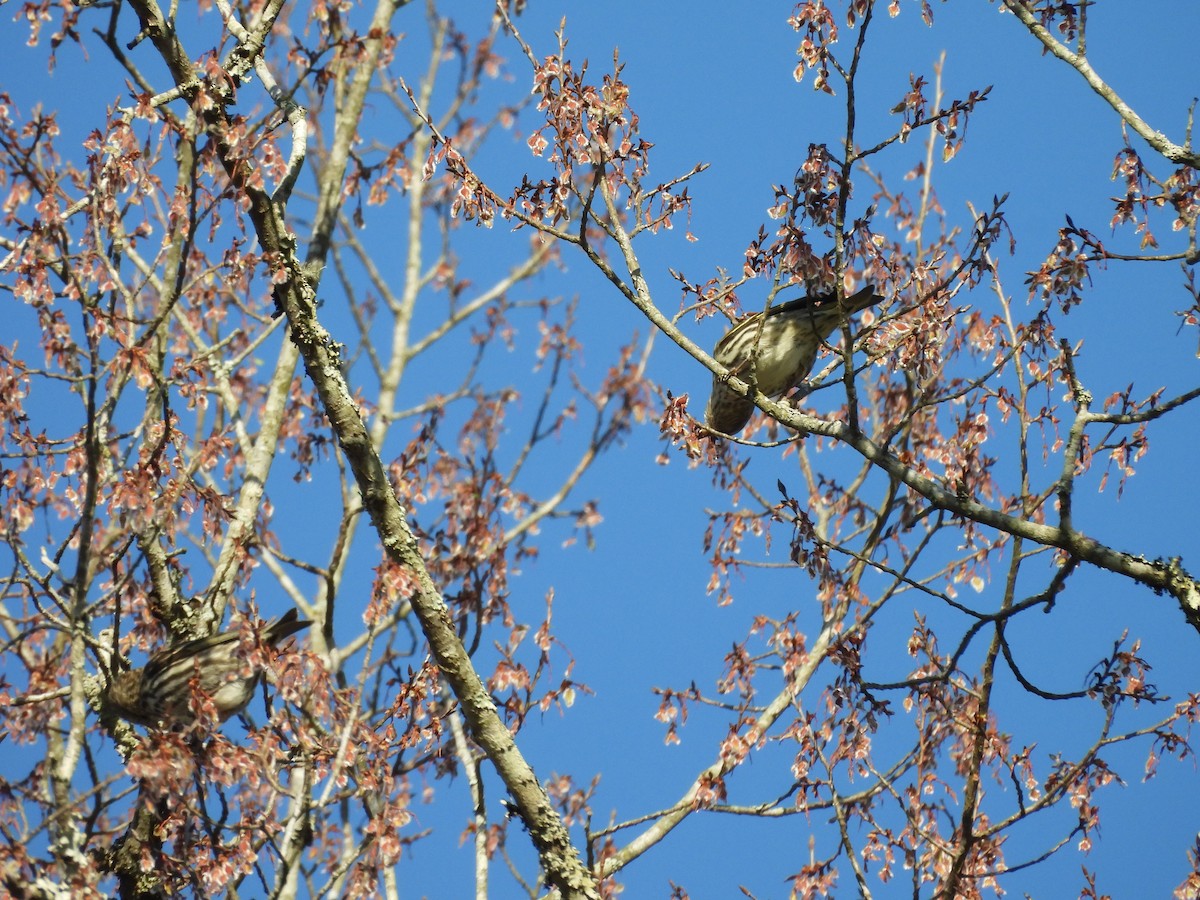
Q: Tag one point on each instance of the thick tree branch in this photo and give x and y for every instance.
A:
(559, 858)
(1156, 139)
(1159, 575)
(296, 297)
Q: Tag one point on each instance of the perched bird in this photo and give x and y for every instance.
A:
(158, 694)
(791, 335)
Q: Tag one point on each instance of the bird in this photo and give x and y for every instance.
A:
(158, 694)
(791, 335)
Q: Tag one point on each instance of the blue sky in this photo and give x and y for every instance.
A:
(714, 85)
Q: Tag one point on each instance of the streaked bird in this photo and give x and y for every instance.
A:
(791, 335)
(158, 694)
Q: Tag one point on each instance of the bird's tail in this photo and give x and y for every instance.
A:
(288, 624)
(859, 301)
